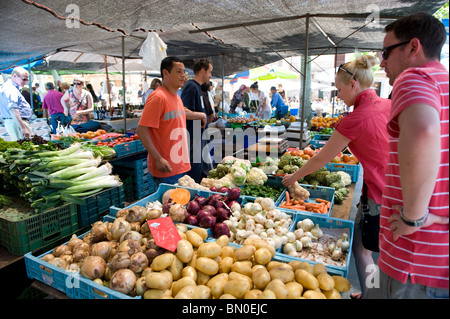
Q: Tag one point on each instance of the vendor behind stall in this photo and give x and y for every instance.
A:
(278, 102)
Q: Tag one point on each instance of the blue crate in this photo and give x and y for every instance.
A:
(351, 169)
(327, 223)
(71, 283)
(321, 137)
(322, 192)
(272, 183)
(139, 146)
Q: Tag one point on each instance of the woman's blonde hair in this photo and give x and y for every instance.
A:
(360, 70)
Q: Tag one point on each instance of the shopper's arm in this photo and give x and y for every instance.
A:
(192, 115)
(161, 163)
(334, 146)
(64, 100)
(25, 131)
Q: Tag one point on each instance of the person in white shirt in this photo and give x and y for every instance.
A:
(264, 110)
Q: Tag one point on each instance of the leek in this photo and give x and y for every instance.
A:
(105, 169)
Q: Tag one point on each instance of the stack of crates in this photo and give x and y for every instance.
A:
(136, 167)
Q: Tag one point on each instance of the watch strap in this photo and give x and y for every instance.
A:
(413, 223)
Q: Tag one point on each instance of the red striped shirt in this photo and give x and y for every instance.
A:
(424, 255)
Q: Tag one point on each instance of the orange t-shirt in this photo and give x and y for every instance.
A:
(166, 121)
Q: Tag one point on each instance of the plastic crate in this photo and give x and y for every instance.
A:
(99, 203)
(34, 232)
(139, 146)
(327, 223)
(322, 192)
(272, 183)
(351, 169)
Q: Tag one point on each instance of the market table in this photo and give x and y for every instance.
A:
(118, 124)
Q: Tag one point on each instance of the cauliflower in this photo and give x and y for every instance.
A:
(345, 178)
(239, 175)
(227, 181)
(256, 177)
(188, 181)
(266, 203)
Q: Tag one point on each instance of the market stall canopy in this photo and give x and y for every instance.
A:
(235, 34)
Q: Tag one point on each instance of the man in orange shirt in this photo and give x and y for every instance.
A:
(162, 128)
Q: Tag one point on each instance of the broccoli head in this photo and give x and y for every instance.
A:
(336, 185)
(340, 195)
(298, 161)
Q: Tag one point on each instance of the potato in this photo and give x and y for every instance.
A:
(244, 253)
(312, 294)
(341, 284)
(180, 283)
(306, 279)
(207, 266)
(260, 243)
(242, 267)
(325, 281)
(274, 264)
(318, 269)
(253, 294)
(176, 268)
(215, 278)
(268, 294)
(225, 264)
(181, 227)
(202, 278)
(227, 296)
(256, 267)
(194, 238)
(284, 274)
(279, 288)
(193, 260)
(261, 278)
(189, 271)
(262, 256)
(210, 250)
(158, 280)
(235, 275)
(217, 287)
(223, 241)
(332, 294)
(295, 290)
(295, 264)
(201, 231)
(228, 251)
(162, 261)
(185, 251)
(202, 292)
(237, 288)
(156, 293)
(187, 292)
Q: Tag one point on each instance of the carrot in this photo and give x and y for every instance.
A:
(295, 202)
(317, 211)
(283, 203)
(311, 205)
(288, 198)
(328, 205)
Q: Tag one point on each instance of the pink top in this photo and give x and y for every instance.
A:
(423, 255)
(75, 105)
(366, 129)
(52, 102)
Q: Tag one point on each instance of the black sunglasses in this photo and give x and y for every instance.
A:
(77, 83)
(387, 50)
(341, 67)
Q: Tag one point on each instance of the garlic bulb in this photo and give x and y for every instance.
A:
(307, 224)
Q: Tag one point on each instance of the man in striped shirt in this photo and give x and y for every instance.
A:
(414, 229)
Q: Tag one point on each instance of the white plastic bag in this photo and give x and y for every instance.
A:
(152, 51)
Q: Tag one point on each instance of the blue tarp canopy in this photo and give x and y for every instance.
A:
(234, 34)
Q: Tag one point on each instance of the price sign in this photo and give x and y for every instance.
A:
(164, 232)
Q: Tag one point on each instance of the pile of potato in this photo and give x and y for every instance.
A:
(205, 270)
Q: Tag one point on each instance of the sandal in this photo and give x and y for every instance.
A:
(356, 295)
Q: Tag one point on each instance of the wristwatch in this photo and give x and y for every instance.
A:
(413, 223)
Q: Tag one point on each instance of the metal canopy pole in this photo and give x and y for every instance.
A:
(124, 113)
(305, 63)
(223, 82)
(335, 73)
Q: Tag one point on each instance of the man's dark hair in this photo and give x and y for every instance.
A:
(49, 86)
(167, 64)
(429, 30)
(200, 64)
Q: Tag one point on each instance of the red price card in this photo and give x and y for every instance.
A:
(164, 232)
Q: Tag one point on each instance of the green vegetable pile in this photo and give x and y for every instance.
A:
(322, 177)
(48, 179)
(262, 191)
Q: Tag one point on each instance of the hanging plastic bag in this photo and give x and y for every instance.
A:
(152, 51)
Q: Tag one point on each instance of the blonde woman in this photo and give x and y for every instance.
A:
(364, 132)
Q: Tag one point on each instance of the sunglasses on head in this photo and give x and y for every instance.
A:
(341, 67)
(387, 50)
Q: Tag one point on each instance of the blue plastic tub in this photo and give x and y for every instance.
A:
(322, 192)
(328, 223)
(351, 169)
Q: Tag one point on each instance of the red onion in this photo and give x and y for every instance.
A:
(193, 207)
(201, 214)
(200, 200)
(223, 214)
(207, 222)
(211, 209)
(213, 189)
(191, 220)
(221, 229)
(234, 193)
(223, 189)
